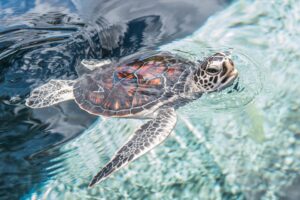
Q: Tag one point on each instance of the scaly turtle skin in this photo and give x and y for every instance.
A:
(146, 85)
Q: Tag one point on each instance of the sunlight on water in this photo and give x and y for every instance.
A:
(249, 149)
(42, 40)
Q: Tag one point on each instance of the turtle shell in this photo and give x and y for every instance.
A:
(135, 84)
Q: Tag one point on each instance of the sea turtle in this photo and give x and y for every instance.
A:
(148, 85)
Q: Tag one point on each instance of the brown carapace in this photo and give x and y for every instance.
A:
(132, 86)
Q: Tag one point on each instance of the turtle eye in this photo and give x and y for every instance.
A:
(213, 70)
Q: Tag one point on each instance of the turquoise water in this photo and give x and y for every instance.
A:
(42, 40)
(237, 145)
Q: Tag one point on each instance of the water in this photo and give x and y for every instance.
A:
(240, 144)
(45, 39)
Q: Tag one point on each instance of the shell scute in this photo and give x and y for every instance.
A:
(130, 86)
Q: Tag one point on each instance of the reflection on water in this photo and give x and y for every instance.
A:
(42, 40)
(246, 153)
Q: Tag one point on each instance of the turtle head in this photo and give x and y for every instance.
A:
(215, 73)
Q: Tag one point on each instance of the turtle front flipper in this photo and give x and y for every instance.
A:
(145, 138)
(51, 93)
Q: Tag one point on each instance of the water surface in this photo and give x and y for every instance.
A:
(46, 39)
(246, 151)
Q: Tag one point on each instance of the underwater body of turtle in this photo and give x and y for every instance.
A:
(146, 85)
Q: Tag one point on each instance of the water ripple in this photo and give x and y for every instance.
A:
(42, 40)
(252, 153)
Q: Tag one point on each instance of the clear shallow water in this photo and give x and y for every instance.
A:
(43, 40)
(248, 152)
(245, 150)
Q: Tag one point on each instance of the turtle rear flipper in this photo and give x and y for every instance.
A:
(51, 93)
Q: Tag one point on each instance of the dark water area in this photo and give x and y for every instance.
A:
(46, 39)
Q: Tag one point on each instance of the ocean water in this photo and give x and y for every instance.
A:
(42, 40)
(242, 143)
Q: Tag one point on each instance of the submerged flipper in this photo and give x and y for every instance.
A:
(51, 93)
(145, 138)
